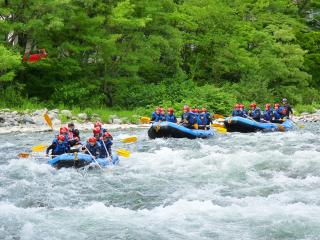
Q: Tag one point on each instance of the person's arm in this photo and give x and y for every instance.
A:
(51, 147)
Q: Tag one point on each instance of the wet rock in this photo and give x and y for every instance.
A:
(27, 119)
(116, 121)
(83, 116)
(124, 120)
(40, 112)
(66, 113)
(53, 115)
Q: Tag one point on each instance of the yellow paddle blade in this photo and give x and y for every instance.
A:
(123, 152)
(218, 125)
(221, 129)
(301, 126)
(129, 139)
(24, 155)
(39, 148)
(216, 115)
(145, 120)
(48, 120)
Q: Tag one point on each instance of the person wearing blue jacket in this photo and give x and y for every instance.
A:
(242, 111)
(106, 144)
(59, 146)
(92, 147)
(185, 117)
(277, 116)
(267, 113)
(236, 110)
(156, 115)
(203, 120)
(255, 112)
(207, 115)
(170, 117)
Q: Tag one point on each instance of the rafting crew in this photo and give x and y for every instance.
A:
(278, 114)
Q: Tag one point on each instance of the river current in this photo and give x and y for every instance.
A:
(234, 186)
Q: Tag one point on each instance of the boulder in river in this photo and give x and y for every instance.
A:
(40, 112)
(83, 116)
(27, 119)
(116, 121)
(66, 113)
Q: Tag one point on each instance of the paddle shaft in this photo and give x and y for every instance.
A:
(105, 147)
(92, 157)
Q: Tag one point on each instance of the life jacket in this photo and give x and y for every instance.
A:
(95, 149)
(235, 113)
(103, 152)
(185, 116)
(171, 118)
(192, 118)
(156, 117)
(208, 118)
(267, 115)
(102, 131)
(277, 114)
(202, 119)
(60, 148)
(256, 114)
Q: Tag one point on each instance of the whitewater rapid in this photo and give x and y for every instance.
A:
(234, 186)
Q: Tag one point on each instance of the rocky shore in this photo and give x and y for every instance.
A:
(33, 121)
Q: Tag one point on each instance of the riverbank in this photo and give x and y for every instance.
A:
(33, 121)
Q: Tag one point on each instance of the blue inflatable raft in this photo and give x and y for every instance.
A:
(240, 124)
(78, 160)
(169, 129)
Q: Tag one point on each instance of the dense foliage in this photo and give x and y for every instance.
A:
(147, 52)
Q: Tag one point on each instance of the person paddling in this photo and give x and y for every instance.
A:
(106, 143)
(170, 117)
(92, 147)
(59, 146)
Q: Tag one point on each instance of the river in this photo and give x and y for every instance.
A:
(234, 186)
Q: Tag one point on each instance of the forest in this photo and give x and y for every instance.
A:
(143, 53)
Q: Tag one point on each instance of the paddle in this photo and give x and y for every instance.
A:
(48, 120)
(123, 153)
(39, 148)
(145, 120)
(93, 157)
(221, 129)
(110, 160)
(216, 115)
(129, 140)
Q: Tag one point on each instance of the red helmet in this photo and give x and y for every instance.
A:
(106, 134)
(195, 110)
(186, 107)
(64, 130)
(241, 105)
(92, 140)
(204, 110)
(253, 105)
(61, 138)
(268, 106)
(276, 105)
(161, 110)
(170, 110)
(98, 124)
(96, 130)
(237, 105)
